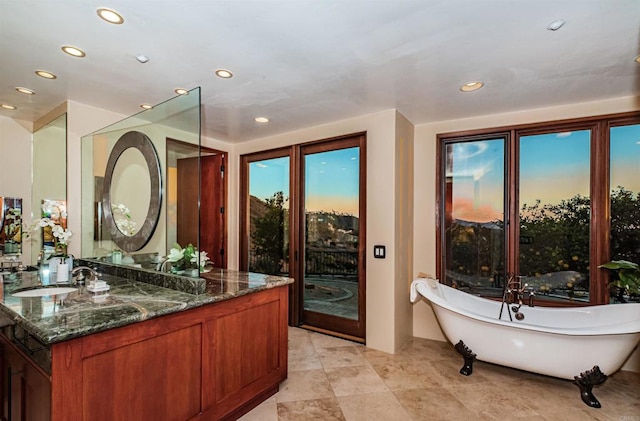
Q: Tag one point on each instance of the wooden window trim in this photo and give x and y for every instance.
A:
(600, 127)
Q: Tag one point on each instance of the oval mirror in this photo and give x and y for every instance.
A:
(132, 191)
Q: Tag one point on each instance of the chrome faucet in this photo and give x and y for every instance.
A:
(78, 273)
(161, 266)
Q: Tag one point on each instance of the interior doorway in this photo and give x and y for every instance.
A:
(196, 202)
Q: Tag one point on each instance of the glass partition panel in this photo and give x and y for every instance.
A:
(126, 169)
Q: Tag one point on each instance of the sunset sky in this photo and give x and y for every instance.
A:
(331, 180)
(553, 167)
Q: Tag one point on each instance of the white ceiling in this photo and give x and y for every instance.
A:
(308, 62)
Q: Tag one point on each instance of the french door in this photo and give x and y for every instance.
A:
(303, 217)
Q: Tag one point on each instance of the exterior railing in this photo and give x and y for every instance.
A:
(317, 262)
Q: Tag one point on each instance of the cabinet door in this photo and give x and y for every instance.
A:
(12, 384)
(25, 391)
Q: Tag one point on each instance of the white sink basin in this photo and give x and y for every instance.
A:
(41, 292)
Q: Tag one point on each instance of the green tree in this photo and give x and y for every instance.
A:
(268, 237)
(558, 235)
(625, 225)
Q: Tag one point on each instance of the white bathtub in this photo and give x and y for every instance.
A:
(558, 342)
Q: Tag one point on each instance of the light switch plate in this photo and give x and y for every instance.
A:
(379, 252)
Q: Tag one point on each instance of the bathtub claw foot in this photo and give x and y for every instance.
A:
(469, 358)
(585, 381)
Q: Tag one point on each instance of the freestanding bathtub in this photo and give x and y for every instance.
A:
(584, 344)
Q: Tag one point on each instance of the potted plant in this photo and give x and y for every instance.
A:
(187, 260)
(628, 278)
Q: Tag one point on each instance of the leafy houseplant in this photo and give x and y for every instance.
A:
(628, 277)
(187, 258)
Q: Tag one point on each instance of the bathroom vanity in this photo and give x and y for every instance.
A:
(145, 351)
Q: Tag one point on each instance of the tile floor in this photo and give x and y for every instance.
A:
(333, 379)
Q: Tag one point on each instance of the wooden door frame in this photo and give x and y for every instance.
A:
(245, 224)
(340, 326)
(357, 330)
(224, 192)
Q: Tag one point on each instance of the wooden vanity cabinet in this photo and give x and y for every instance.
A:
(25, 389)
(209, 363)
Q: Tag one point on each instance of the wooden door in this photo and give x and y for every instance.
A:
(209, 220)
(212, 208)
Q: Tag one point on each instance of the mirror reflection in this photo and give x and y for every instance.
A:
(121, 183)
(124, 195)
(10, 225)
(130, 192)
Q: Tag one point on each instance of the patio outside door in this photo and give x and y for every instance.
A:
(303, 217)
(332, 237)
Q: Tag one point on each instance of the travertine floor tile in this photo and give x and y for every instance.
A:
(374, 406)
(305, 385)
(492, 401)
(319, 409)
(355, 380)
(266, 411)
(407, 374)
(305, 359)
(341, 356)
(335, 379)
(435, 404)
(375, 357)
(325, 341)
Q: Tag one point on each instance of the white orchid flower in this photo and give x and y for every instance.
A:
(203, 258)
(175, 255)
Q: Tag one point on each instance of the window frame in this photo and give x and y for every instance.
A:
(600, 127)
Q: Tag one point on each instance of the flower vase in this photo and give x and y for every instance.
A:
(62, 274)
(53, 264)
(192, 273)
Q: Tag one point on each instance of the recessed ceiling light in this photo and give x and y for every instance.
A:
(261, 120)
(223, 73)
(73, 51)
(25, 91)
(471, 86)
(556, 24)
(181, 91)
(45, 74)
(8, 107)
(146, 106)
(110, 16)
(142, 58)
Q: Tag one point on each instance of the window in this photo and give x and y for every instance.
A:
(546, 202)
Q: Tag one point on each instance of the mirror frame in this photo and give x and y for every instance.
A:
(142, 143)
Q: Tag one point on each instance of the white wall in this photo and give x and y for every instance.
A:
(404, 192)
(424, 323)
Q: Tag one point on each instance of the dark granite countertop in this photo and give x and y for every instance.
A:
(52, 319)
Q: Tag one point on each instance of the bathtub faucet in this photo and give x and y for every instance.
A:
(514, 293)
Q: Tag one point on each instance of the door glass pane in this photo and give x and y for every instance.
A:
(554, 214)
(269, 216)
(625, 197)
(331, 205)
(474, 216)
